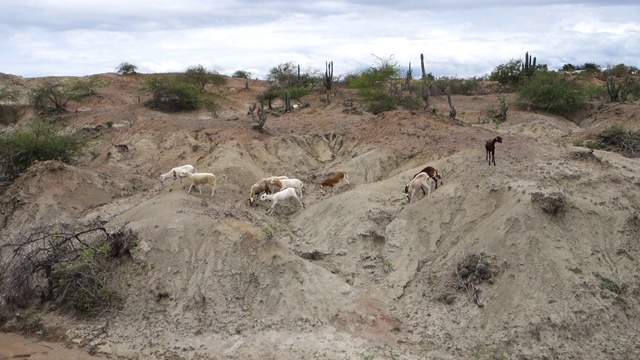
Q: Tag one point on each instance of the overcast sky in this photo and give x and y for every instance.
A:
(460, 38)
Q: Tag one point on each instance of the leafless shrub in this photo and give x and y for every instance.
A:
(63, 265)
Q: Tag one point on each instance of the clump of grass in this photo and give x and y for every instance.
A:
(446, 298)
(612, 286)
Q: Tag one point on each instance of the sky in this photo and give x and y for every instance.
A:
(459, 38)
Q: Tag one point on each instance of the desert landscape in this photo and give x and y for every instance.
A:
(534, 258)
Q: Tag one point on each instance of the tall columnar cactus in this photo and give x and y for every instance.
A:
(529, 65)
(327, 80)
(425, 92)
(502, 115)
(452, 109)
(287, 101)
(408, 78)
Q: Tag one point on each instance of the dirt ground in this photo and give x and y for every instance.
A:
(358, 273)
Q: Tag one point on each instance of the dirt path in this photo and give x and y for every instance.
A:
(14, 346)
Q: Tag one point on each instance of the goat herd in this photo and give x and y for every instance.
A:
(264, 189)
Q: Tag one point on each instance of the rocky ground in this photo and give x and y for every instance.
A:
(358, 273)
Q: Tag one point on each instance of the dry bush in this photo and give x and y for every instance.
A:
(69, 267)
(552, 203)
(473, 270)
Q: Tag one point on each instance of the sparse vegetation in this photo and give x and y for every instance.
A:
(82, 88)
(608, 284)
(387, 265)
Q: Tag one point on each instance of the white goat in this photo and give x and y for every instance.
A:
(282, 195)
(420, 181)
(288, 183)
(177, 171)
(262, 185)
(198, 179)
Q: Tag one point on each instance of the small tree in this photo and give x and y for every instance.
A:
(509, 75)
(49, 97)
(373, 83)
(201, 77)
(284, 74)
(126, 68)
(241, 74)
(171, 93)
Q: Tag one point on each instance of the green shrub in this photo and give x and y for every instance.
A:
(170, 93)
(595, 92)
(509, 75)
(553, 92)
(578, 142)
(591, 144)
(633, 90)
(458, 86)
(40, 141)
(372, 85)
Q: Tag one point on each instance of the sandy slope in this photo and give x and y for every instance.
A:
(358, 272)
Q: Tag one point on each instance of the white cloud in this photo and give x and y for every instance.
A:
(457, 38)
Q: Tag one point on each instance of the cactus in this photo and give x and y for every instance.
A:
(287, 101)
(262, 115)
(529, 65)
(617, 92)
(502, 115)
(327, 80)
(408, 78)
(613, 89)
(452, 109)
(425, 92)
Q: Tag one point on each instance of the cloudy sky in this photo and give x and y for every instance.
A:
(460, 38)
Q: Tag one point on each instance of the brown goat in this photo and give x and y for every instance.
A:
(335, 178)
(262, 186)
(490, 146)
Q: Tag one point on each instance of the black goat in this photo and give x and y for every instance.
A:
(490, 146)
